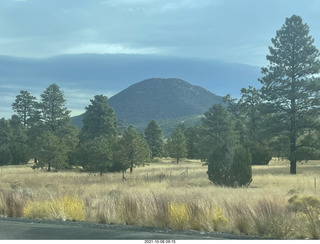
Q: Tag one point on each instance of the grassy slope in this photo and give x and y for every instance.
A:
(165, 194)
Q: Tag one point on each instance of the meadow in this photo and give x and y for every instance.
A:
(169, 195)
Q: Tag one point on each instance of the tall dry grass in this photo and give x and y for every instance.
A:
(169, 195)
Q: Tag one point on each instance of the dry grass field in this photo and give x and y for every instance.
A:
(169, 195)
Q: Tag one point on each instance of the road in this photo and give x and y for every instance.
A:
(25, 229)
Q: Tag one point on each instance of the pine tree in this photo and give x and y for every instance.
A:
(51, 151)
(177, 145)
(154, 137)
(217, 129)
(96, 155)
(99, 120)
(53, 111)
(5, 139)
(25, 106)
(291, 86)
(134, 149)
(18, 143)
(254, 134)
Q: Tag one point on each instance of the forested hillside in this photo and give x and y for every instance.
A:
(166, 100)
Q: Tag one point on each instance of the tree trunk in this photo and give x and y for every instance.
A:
(293, 166)
(293, 134)
(131, 167)
(177, 160)
(49, 167)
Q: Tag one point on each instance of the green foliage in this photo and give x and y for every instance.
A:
(177, 146)
(218, 123)
(193, 138)
(217, 130)
(134, 150)
(5, 156)
(240, 171)
(51, 151)
(250, 106)
(25, 106)
(95, 155)
(18, 145)
(260, 154)
(291, 87)
(154, 137)
(13, 142)
(98, 120)
(219, 164)
(230, 165)
(53, 111)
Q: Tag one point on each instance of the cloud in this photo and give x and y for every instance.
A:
(192, 28)
(105, 48)
(185, 4)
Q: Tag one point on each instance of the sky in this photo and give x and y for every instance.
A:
(234, 31)
(237, 31)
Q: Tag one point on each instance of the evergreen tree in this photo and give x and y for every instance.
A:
(5, 139)
(291, 86)
(18, 143)
(219, 164)
(241, 171)
(25, 106)
(177, 145)
(134, 150)
(217, 129)
(193, 138)
(53, 111)
(154, 137)
(99, 119)
(96, 155)
(230, 165)
(254, 133)
(51, 151)
(250, 107)
(54, 127)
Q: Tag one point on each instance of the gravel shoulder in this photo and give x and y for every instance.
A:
(31, 229)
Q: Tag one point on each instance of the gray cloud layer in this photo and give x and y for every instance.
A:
(230, 30)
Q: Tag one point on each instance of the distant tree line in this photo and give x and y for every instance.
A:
(281, 119)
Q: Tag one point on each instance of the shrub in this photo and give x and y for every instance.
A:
(218, 219)
(14, 204)
(241, 172)
(178, 215)
(307, 211)
(73, 208)
(67, 208)
(230, 166)
(219, 164)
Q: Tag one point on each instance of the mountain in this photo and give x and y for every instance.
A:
(160, 99)
(84, 75)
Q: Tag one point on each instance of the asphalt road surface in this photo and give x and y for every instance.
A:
(25, 229)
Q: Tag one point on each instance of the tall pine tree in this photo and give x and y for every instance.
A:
(154, 137)
(53, 111)
(99, 120)
(177, 145)
(25, 106)
(291, 87)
